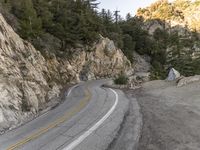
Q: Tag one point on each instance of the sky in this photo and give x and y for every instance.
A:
(125, 6)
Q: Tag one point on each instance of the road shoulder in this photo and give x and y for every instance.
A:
(130, 130)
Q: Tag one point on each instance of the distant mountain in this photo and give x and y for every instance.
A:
(180, 12)
(174, 28)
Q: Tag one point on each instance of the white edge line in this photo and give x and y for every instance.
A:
(80, 139)
(70, 90)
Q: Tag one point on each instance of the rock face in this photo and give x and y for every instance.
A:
(188, 80)
(142, 67)
(23, 78)
(142, 63)
(104, 61)
(173, 75)
(28, 81)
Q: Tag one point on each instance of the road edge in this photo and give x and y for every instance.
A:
(133, 115)
(81, 138)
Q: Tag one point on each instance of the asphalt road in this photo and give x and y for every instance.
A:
(88, 119)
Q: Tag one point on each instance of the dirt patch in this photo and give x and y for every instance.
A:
(171, 116)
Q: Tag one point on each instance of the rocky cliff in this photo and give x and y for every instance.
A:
(29, 82)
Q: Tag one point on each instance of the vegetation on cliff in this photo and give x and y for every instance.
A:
(167, 32)
(59, 25)
(174, 28)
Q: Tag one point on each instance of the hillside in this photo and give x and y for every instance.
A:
(184, 13)
(30, 83)
(174, 29)
(168, 32)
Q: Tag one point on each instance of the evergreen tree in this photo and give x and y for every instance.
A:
(77, 23)
(129, 46)
(31, 25)
(43, 12)
(128, 17)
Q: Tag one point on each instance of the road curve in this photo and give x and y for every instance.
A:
(89, 118)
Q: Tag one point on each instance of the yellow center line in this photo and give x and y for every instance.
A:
(66, 116)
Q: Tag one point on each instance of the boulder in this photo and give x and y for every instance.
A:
(173, 75)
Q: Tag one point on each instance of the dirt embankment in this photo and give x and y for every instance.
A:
(171, 116)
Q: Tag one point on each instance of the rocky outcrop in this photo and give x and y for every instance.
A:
(23, 81)
(142, 63)
(188, 80)
(105, 60)
(142, 68)
(101, 60)
(28, 81)
(152, 25)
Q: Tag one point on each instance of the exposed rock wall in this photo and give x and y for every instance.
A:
(23, 78)
(28, 81)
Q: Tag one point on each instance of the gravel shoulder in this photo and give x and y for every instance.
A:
(171, 116)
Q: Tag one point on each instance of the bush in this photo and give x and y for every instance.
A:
(121, 80)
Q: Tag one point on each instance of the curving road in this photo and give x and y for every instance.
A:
(89, 119)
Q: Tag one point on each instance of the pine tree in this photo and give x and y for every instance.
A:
(31, 24)
(128, 17)
(43, 11)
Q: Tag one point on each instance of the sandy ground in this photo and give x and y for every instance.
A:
(171, 116)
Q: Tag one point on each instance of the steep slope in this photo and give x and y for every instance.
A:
(28, 81)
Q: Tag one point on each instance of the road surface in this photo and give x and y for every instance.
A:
(88, 119)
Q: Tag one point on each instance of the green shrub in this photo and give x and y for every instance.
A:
(121, 80)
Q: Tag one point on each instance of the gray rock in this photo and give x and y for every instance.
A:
(187, 80)
(173, 75)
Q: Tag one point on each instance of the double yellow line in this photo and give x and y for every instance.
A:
(77, 108)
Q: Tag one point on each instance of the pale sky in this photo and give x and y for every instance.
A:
(125, 6)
